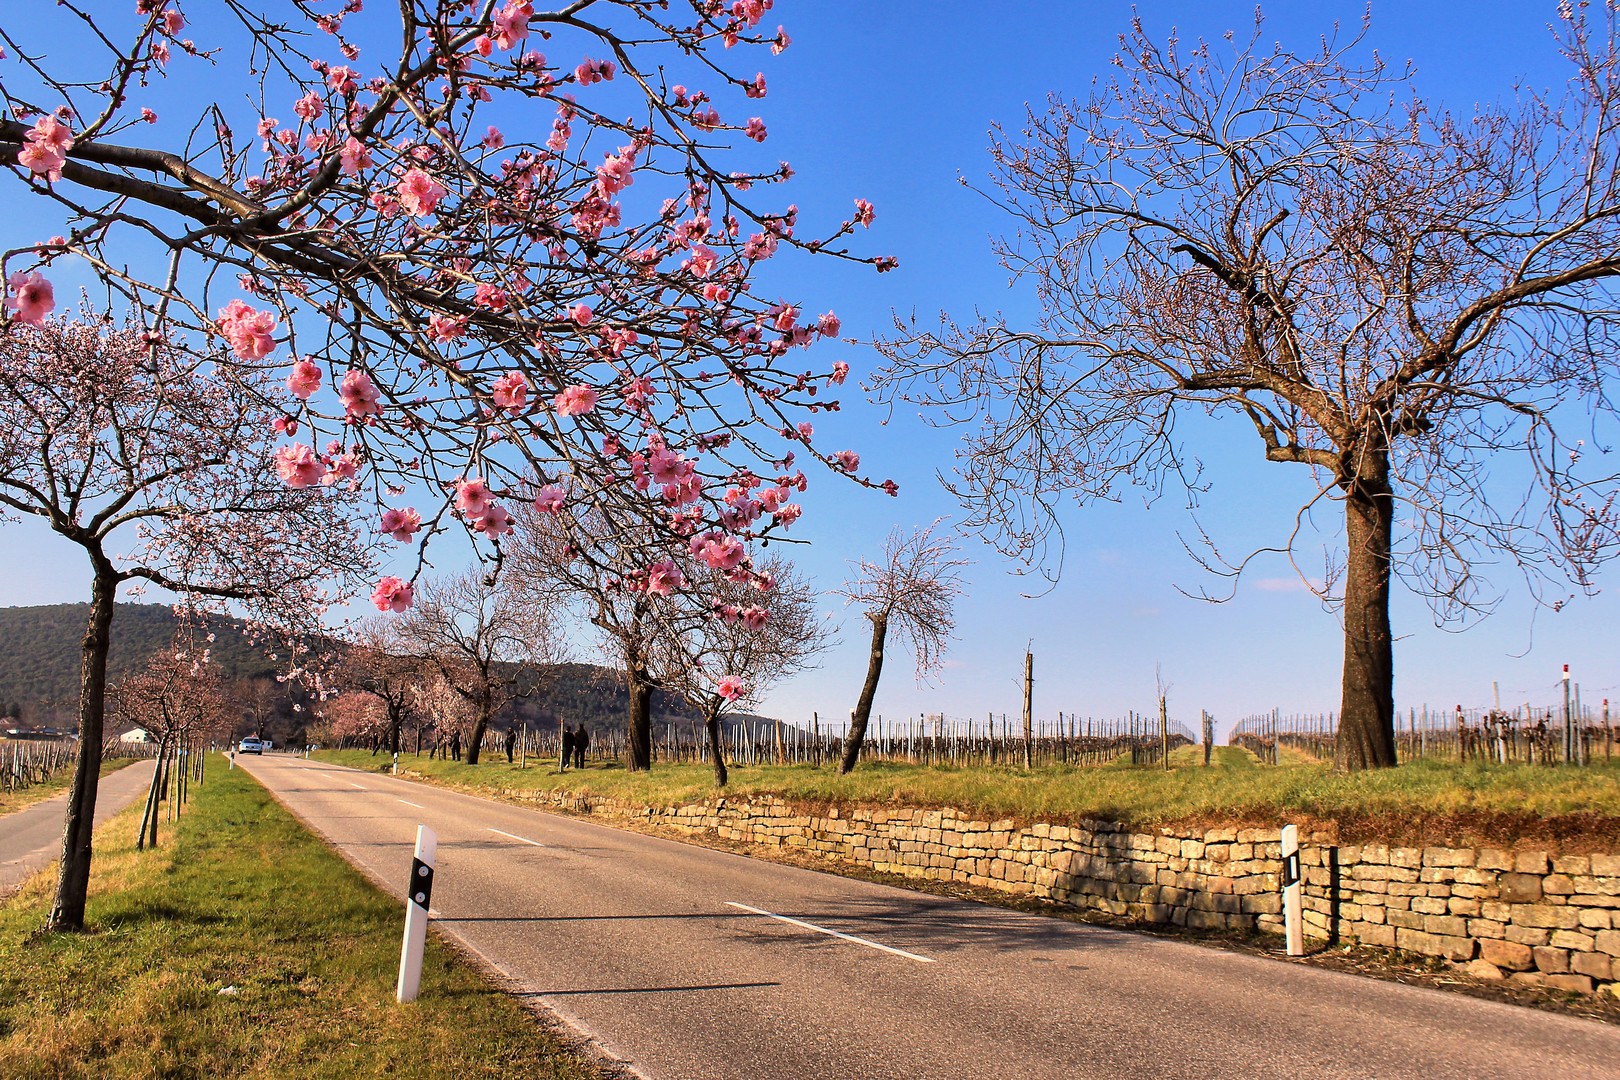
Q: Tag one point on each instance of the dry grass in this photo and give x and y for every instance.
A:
(1566, 809)
(240, 895)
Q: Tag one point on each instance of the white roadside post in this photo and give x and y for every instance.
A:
(418, 897)
(1293, 920)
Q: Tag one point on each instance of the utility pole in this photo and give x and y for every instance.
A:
(1029, 734)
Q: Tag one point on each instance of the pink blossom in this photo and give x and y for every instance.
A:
(494, 522)
(720, 551)
(489, 296)
(512, 23)
(829, 325)
(285, 425)
(41, 160)
(493, 139)
(341, 467)
(771, 498)
(341, 79)
(581, 314)
(298, 466)
(664, 577)
(839, 373)
(786, 316)
(447, 328)
(31, 297)
(354, 156)
(148, 115)
(402, 525)
(575, 401)
(53, 133)
(781, 43)
(482, 45)
(310, 106)
(419, 193)
(848, 460)
(360, 395)
(473, 498)
(755, 129)
(392, 594)
(755, 89)
(510, 391)
(755, 618)
(173, 22)
(595, 71)
(304, 379)
(249, 332)
(788, 514)
(730, 688)
(864, 212)
(668, 467)
(701, 262)
(616, 173)
(159, 51)
(550, 499)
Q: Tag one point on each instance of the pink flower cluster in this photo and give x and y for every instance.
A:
(477, 506)
(512, 22)
(550, 499)
(299, 466)
(664, 577)
(304, 379)
(249, 332)
(510, 392)
(402, 525)
(392, 594)
(575, 401)
(595, 71)
(730, 688)
(46, 148)
(419, 193)
(31, 297)
(360, 395)
(719, 551)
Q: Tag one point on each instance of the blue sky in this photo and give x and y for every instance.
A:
(893, 102)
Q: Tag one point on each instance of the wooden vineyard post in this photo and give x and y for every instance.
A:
(1164, 732)
(1029, 682)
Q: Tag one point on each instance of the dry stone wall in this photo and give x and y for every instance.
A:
(1522, 916)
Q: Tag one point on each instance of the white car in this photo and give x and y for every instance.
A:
(250, 745)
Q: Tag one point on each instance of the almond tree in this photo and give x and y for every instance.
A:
(748, 640)
(379, 662)
(1371, 287)
(480, 639)
(911, 590)
(440, 246)
(120, 443)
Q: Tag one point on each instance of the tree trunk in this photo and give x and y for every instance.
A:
(396, 720)
(638, 746)
(150, 813)
(73, 879)
(486, 706)
(717, 749)
(1366, 738)
(863, 707)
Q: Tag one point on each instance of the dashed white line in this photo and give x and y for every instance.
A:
(362, 787)
(514, 836)
(408, 802)
(832, 933)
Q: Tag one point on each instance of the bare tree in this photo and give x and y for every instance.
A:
(480, 637)
(1374, 288)
(752, 637)
(911, 590)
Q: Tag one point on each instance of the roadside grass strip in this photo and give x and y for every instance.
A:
(1418, 802)
(244, 947)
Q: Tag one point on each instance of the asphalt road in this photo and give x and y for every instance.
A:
(32, 837)
(691, 963)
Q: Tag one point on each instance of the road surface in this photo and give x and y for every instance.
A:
(32, 838)
(695, 964)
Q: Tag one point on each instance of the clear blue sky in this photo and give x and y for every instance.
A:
(892, 102)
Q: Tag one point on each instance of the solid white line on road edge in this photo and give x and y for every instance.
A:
(832, 933)
(525, 839)
(408, 802)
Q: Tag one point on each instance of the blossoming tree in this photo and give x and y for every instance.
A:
(459, 296)
(118, 442)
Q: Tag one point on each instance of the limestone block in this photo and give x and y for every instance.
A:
(1530, 862)
(1601, 886)
(1220, 836)
(1486, 928)
(1594, 965)
(1410, 858)
(1606, 866)
(1507, 954)
(1458, 905)
(1551, 960)
(1447, 925)
(1417, 941)
(1405, 919)
(1572, 865)
(1607, 941)
(1595, 919)
(1528, 935)
(1557, 885)
(1429, 905)
(1482, 969)
(1494, 859)
(1371, 934)
(1495, 912)
(1575, 984)
(1572, 940)
(1545, 915)
(1439, 856)
(1519, 888)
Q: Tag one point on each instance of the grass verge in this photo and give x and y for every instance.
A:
(1564, 809)
(23, 798)
(241, 896)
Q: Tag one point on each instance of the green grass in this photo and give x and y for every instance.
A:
(1420, 802)
(22, 798)
(239, 894)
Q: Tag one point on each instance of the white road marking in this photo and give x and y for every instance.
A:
(362, 787)
(524, 839)
(408, 802)
(832, 933)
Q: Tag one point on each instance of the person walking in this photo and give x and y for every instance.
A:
(582, 740)
(567, 748)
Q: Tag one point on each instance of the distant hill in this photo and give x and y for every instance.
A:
(40, 651)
